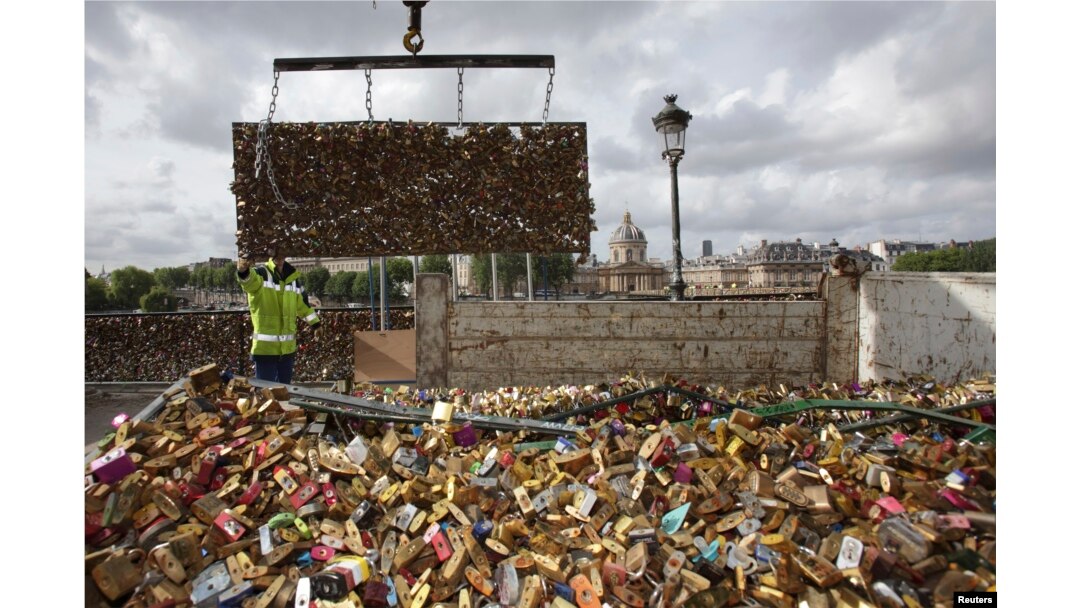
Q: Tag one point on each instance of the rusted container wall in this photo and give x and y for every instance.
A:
(937, 323)
(540, 343)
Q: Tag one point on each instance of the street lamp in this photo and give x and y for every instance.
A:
(671, 124)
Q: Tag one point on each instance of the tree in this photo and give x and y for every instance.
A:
(97, 295)
(202, 277)
(224, 278)
(980, 257)
(511, 267)
(399, 272)
(560, 271)
(361, 292)
(983, 256)
(340, 285)
(158, 299)
(436, 263)
(481, 271)
(315, 280)
(129, 284)
(366, 283)
(172, 278)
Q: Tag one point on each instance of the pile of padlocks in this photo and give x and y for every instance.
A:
(231, 496)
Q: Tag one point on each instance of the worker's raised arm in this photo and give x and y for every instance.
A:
(249, 281)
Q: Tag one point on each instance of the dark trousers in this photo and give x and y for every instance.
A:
(275, 368)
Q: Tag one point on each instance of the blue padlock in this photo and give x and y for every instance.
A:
(564, 591)
(482, 529)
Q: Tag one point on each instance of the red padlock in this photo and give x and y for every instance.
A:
(190, 492)
(306, 492)
(93, 523)
(330, 494)
(250, 494)
(218, 479)
(442, 546)
(506, 459)
(322, 553)
(664, 452)
(208, 464)
(227, 525)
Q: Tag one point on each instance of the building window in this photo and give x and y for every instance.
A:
(629, 255)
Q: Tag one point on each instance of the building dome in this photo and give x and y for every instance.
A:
(627, 243)
(627, 231)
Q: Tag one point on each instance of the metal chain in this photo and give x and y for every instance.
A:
(547, 100)
(367, 101)
(262, 146)
(460, 94)
(270, 116)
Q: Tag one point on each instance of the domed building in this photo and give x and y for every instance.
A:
(629, 268)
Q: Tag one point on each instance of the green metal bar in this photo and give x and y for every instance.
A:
(982, 434)
(540, 445)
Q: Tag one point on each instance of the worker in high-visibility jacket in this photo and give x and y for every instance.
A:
(276, 299)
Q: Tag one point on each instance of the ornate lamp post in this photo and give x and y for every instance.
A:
(671, 124)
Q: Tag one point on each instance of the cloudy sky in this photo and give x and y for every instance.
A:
(850, 120)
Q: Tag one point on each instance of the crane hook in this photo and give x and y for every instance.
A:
(413, 40)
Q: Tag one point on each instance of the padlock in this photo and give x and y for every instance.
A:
(442, 546)
(897, 534)
(584, 594)
(228, 525)
(817, 569)
(376, 594)
(113, 466)
(118, 575)
(304, 493)
(328, 585)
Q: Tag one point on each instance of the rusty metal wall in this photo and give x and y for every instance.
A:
(937, 323)
(539, 343)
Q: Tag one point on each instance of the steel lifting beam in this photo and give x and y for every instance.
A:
(402, 123)
(366, 408)
(866, 424)
(981, 432)
(404, 62)
(154, 408)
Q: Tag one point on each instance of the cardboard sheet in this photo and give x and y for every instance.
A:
(384, 356)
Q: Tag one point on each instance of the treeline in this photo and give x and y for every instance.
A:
(131, 288)
(979, 256)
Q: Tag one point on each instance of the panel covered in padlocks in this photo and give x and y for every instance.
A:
(161, 348)
(231, 496)
(405, 188)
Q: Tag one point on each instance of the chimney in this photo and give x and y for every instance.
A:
(764, 243)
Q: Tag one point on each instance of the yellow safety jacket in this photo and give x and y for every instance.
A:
(275, 298)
